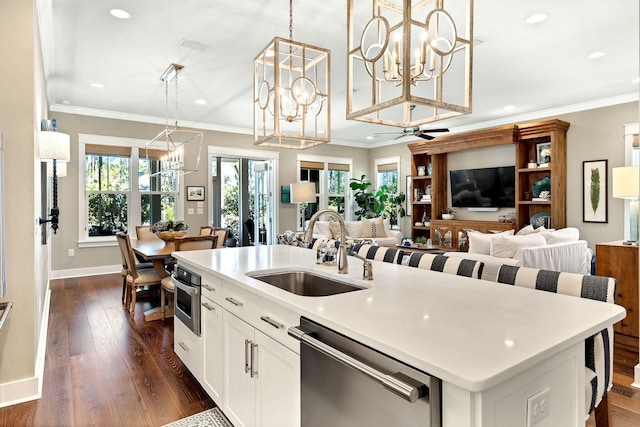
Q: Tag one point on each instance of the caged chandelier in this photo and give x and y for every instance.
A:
(168, 147)
(409, 52)
(291, 105)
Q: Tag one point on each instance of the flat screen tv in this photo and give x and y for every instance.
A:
(486, 187)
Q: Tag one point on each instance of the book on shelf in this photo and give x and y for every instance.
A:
(540, 199)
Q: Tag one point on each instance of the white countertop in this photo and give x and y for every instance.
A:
(472, 333)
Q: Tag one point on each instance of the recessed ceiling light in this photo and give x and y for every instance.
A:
(536, 18)
(509, 107)
(369, 137)
(119, 13)
(98, 85)
(596, 55)
(200, 101)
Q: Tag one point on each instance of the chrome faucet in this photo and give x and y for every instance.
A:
(342, 249)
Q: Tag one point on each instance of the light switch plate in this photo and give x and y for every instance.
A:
(200, 204)
(190, 211)
(538, 407)
(200, 211)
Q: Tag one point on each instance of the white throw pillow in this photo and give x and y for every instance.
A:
(322, 227)
(564, 235)
(373, 227)
(480, 243)
(529, 229)
(506, 246)
(354, 229)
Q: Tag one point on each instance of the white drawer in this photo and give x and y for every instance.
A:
(264, 315)
(188, 347)
(212, 287)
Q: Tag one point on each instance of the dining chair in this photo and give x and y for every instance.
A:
(458, 266)
(598, 349)
(124, 273)
(136, 278)
(206, 230)
(143, 232)
(222, 234)
(184, 244)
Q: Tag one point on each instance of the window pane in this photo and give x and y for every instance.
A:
(157, 207)
(165, 182)
(337, 204)
(107, 214)
(107, 173)
(337, 181)
(390, 179)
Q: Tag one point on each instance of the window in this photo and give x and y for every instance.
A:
(119, 190)
(387, 172)
(331, 176)
(632, 158)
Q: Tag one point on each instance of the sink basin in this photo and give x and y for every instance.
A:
(305, 283)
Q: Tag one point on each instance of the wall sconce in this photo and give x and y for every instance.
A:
(55, 147)
(626, 185)
(303, 193)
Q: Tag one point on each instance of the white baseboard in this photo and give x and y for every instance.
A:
(636, 376)
(89, 271)
(30, 388)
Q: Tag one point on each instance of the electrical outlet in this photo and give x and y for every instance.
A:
(72, 252)
(538, 407)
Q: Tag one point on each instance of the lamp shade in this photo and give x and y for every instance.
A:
(54, 145)
(303, 192)
(626, 182)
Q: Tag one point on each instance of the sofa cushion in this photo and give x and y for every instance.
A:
(322, 227)
(491, 264)
(334, 227)
(354, 229)
(480, 243)
(508, 246)
(564, 235)
(529, 229)
(373, 227)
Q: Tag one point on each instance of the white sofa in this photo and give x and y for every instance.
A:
(354, 230)
(555, 250)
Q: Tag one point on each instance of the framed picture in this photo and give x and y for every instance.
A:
(407, 200)
(195, 193)
(594, 191)
(543, 153)
(285, 194)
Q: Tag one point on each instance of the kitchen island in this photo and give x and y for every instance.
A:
(492, 345)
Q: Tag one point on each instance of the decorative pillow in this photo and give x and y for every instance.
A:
(322, 227)
(564, 235)
(506, 246)
(373, 227)
(480, 243)
(529, 229)
(354, 229)
(334, 226)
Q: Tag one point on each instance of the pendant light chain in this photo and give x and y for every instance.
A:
(290, 19)
(177, 77)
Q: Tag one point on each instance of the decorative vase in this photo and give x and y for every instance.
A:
(429, 169)
(421, 171)
(168, 236)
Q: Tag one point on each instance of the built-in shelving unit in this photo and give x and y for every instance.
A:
(527, 139)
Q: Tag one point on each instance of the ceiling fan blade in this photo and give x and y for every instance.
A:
(386, 133)
(425, 136)
(436, 130)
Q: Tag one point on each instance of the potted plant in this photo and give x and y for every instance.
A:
(448, 213)
(421, 241)
(372, 205)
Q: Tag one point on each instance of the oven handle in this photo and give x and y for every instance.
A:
(407, 391)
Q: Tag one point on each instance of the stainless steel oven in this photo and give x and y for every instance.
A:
(344, 383)
(187, 297)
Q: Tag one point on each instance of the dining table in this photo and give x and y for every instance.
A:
(158, 252)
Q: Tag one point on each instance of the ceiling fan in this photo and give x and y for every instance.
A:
(418, 131)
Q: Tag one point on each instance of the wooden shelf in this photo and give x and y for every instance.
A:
(422, 203)
(535, 170)
(419, 178)
(531, 202)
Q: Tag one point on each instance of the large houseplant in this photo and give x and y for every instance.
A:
(382, 202)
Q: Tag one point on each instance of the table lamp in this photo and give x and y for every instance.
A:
(626, 185)
(303, 193)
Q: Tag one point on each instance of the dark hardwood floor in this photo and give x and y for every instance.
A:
(105, 368)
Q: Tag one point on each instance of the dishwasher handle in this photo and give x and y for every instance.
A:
(403, 389)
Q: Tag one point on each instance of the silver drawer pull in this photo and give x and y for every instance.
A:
(253, 372)
(272, 322)
(234, 301)
(184, 346)
(208, 307)
(391, 382)
(246, 356)
(209, 288)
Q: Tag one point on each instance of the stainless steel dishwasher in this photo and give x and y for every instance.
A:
(344, 383)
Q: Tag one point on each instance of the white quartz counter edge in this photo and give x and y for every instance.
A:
(471, 333)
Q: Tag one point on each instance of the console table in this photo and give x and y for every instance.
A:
(620, 261)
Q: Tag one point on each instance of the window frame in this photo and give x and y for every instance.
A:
(630, 131)
(133, 196)
(385, 161)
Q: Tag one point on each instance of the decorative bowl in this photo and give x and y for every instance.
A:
(447, 216)
(168, 236)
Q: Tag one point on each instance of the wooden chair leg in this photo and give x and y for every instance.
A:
(124, 289)
(162, 302)
(603, 415)
(133, 300)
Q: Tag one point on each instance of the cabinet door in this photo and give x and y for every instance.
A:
(212, 333)
(188, 347)
(278, 396)
(239, 386)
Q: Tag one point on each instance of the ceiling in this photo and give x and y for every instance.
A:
(534, 68)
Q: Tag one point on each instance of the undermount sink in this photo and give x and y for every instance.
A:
(304, 283)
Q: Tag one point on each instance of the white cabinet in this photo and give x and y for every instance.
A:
(262, 377)
(212, 345)
(188, 347)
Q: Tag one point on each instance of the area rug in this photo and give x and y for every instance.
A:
(209, 418)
